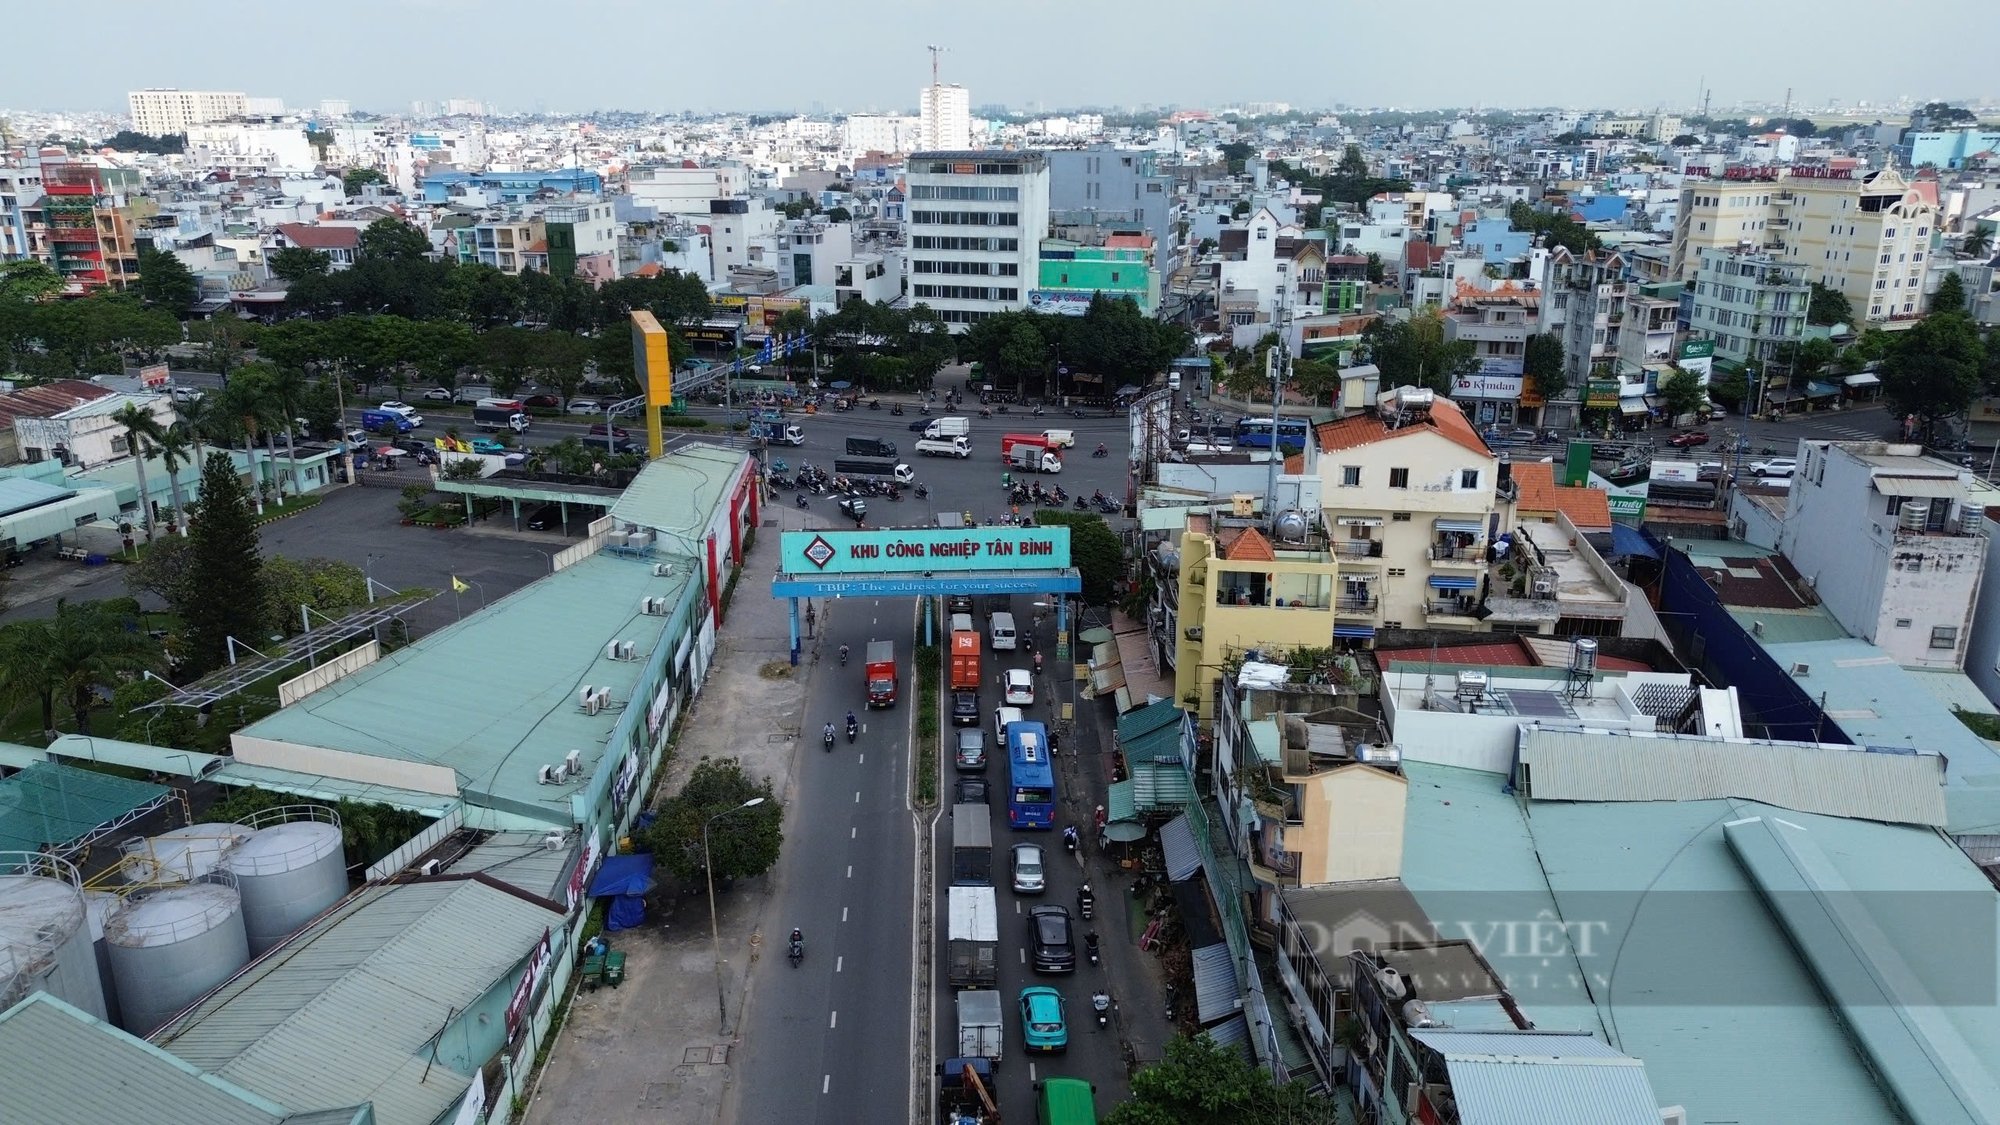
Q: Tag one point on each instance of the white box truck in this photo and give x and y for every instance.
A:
(979, 1032)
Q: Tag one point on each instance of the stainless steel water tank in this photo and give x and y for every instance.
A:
(100, 906)
(45, 934)
(290, 869)
(169, 947)
(182, 855)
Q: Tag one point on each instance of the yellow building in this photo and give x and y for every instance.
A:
(1241, 591)
(1407, 491)
(1720, 214)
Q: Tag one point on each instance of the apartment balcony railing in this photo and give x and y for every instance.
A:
(73, 234)
(1450, 607)
(1357, 603)
(1442, 553)
(1779, 221)
(1358, 548)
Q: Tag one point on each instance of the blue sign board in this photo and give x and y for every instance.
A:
(906, 551)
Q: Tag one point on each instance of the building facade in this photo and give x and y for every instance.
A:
(582, 241)
(20, 185)
(1106, 190)
(160, 112)
(976, 222)
(1748, 302)
(1241, 591)
(1497, 322)
(83, 224)
(1070, 275)
(944, 112)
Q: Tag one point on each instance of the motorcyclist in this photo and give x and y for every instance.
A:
(1102, 449)
(1070, 838)
(852, 722)
(828, 733)
(843, 660)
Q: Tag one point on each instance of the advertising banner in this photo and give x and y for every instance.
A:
(920, 550)
(1487, 385)
(1059, 302)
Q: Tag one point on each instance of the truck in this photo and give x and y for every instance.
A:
(489, 414)
(974, 937)
(965, 1092)
(385, 422)
(980, 1035)
(945, 428)
(885, 470)
(971, 846)
(944, 447)
(870, 447)
(772, 427)
(881, 674)
(1033, 458)
(964, 658)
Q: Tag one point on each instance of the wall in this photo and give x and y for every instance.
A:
(367, 768)
(1982, 651)
(1353, 825)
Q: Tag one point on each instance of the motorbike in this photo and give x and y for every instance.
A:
(1059, 496)
(874, 404)
(843, 656)
(1003, 408)
(896, 409)
(803, 503)
(1086, 903)
(1090, 946)
(1109, 507)
(780, 466)
(895, 493)
(924, 409)
(922, 491)
(853, 729)
(1038, 412)
(826, 740)
(1100, 1002)
(1069, 839)
(1082, 504)
(986, 412)
(798, 952)
(1100, 451)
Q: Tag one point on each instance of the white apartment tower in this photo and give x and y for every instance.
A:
(161, 112)
(976, 223)
(946, 112)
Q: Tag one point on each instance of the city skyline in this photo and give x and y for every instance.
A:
(529, 57)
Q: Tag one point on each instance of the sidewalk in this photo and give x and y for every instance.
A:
(647, 1051)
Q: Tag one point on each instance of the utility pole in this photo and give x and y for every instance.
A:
(1281, 363)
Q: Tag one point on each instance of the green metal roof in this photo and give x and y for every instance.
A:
(1788, 626)
(321, 788)
(47, 805)
(524, 860)
(1121, 802)
(494, 697)
(348, 1010)
(18, 494)
(1161, 742)
(677, 495)
(1158, 785)
(191, 764)
(1145, 720)
(65, 1067)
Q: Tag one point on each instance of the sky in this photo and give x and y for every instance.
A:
(1032, 55)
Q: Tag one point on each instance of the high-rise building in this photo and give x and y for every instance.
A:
(335, 107)
(946, 112)
(82, 225)
(464, 107)
(161, 112)
(976, 222)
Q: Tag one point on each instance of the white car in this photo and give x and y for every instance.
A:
(1020, 687)
(437, 394)
(399, 407)
(585, 406)
(1782, 467)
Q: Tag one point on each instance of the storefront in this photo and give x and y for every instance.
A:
(1862, 387)
(1489, 398)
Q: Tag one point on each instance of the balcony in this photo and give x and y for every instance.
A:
(1454, 556)
(1358, 603)
(1779, 221)
(1451, 612)
(1358, 548)
(73, 234)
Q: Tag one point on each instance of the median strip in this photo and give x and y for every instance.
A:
(926, 777)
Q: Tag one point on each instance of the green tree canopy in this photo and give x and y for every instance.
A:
(1828, 306)
(393, 240)
(1950, 295)
(1681, 393)
(1556, 228)
(225, 570)
(1935, 369)
(1236, 154)
(1094, 549)
(354, 179)
(1415, 353)
(1542, 360)
(328, 586)
(69, 657)
(741, 843)
(28, 280)
(295, 262)
(125, 140)
(165, 282)
(1201, 1082)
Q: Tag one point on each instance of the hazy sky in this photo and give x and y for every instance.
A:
(668, 55)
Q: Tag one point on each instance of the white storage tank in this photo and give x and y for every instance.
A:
(100, 906)
(289, 870)
(182, 855)
(45, 933)
(170, 947)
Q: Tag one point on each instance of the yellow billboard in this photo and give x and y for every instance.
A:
(653, 363)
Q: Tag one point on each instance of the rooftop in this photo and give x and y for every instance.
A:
(1588, 508)
(312, 236)
(677, 496)
(1443, 419)
(48, 399)
(492, 698)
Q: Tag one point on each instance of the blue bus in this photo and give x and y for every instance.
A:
(1031, 777)
(1255, 433)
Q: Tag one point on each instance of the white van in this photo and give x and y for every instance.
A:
(961, 623)
(1001, 717)
(1002, 625)
(1060, 439)
(945, 428)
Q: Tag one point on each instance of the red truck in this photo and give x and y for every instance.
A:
(1032, 453)
(965, 661)
(881, 673)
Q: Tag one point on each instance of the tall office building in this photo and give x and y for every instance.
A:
(946, 112)
(977, 220)
(161, 112)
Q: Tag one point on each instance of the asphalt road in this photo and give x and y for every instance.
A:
(829, 1040)
(1093, 1054)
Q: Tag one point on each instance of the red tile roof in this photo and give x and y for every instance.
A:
(47, 400)
(1418, 255)
(1250, 546)
(1588, 508)
(1128, 242)
(1366, 429)
(313, 237)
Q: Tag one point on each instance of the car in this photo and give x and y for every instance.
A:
(630, 446)
(1709, 471)
(437, 394)
(1780, 467)
(964, 709)
(1044, 1021)
(958, 603)
(423, 451)
(600, 429)
(184, 394)
(969, 791)
(1688, 439)
(466, 395)
(1052, 950)
(854, 508)
(1028, 878)
(402, 408)
(542, 402)
(585, 406)
(971, 751)
(545, 517)
(488, 445)
(1020, 687)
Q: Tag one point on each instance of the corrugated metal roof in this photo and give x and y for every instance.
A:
(524, 860)
(1120, 802)
(1177, 846)
(1160, 786)
(1839, 781)
(1218, 989)
(1154, 745)
(1529, 1078)
(48, 805)
(677, 495)
(1145, 720)
(343, 1012)
(66, 1068)
(1233, 1032)
(1776, 626)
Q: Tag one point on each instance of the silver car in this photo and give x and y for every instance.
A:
(1028, 869)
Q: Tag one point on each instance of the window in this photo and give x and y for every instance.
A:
(1350, 476)
(1944, 636)
(1399, 517)
(1399, 478)
(1468, 478)
(118, 444)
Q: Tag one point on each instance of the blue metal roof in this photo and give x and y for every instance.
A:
(1218, 989)
(1453, 582)
(1177, 844)
(1529, 1078)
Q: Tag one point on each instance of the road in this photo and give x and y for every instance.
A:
(829, 1041)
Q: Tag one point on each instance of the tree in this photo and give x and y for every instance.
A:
(1933, 370)
(560, 357)
(1236, 153)
(741, 844)
(1352, 164)
(1944, 113)
(1201, 1082)
(141, 431)
(85, 646)
(329, 587)
(1542, 360)
(839, 215)
(165, 282)
(1094, 549)
(354, 179)
(125, 140)
(225, 569)
(294, 263)
(1022, 355)
(1729, 385)
(1681, 393)
(1977, 243)
(28, 280)
(246, 409)
(1415, 353)
(176, 447)
(1685, 140)
(393, 240)
(1377, 274)
(1950, 296)
(1828, 306)
(1807, 358)
(1555, 228)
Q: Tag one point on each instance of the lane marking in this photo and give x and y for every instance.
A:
(857, 796)
(843, 914)
(850, 871)
(853, 832)
(826, 1084)
(833, 1020)
(861, 758)
(1024, 956)
(837, 962)
(1031, 1072)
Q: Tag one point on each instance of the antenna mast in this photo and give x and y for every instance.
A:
(935, 51)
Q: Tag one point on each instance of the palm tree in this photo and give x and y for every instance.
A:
(198, 415)
(85, 646)
(141, 431)
(1978, 242)
(288, 396)
(176, 444)
(246, 404)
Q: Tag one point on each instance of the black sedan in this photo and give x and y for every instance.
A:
(969, 791)
(964, 709)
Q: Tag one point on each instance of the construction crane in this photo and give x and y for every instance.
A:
(935, 51)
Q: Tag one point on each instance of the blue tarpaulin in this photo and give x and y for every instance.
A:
(1627, 540)
(625, 880)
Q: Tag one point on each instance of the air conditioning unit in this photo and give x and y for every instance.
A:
(583, 695)
(627, 650)
(554, 839)
(1545, 588)
(663, 570)
(1193, 632)
(548, 775)
(592, 705)
(430, 867)
(603, 697)
(654, 607)
(570, 766)
(1801, 669)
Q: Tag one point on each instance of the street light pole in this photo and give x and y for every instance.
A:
(714, 927)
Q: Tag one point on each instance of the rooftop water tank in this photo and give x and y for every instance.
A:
(289, 870)
(100, 906)
(45, 933)
(182, 855)
(170, 947)
(1292, 526)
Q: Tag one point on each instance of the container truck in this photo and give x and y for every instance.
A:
(974, 937)
(965, 659)
(385, 422)
(880, 470)
(947, 428)
(979, 1031)
(870, 447)
(1033, 457)
(490, 415)
(971, 846)
(882, 673)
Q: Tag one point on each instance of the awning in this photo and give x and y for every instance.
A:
(1453, 582)
(1354, 632)
(1864, 379)
(1627, 541)
(1817, 389)
(1156, 787)
(1177, 844)
(1928, 487)
(1218, 990)
(1631, 390)
(1470, 527)
(1632, 405)
(626, 880)
(1119, 804)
